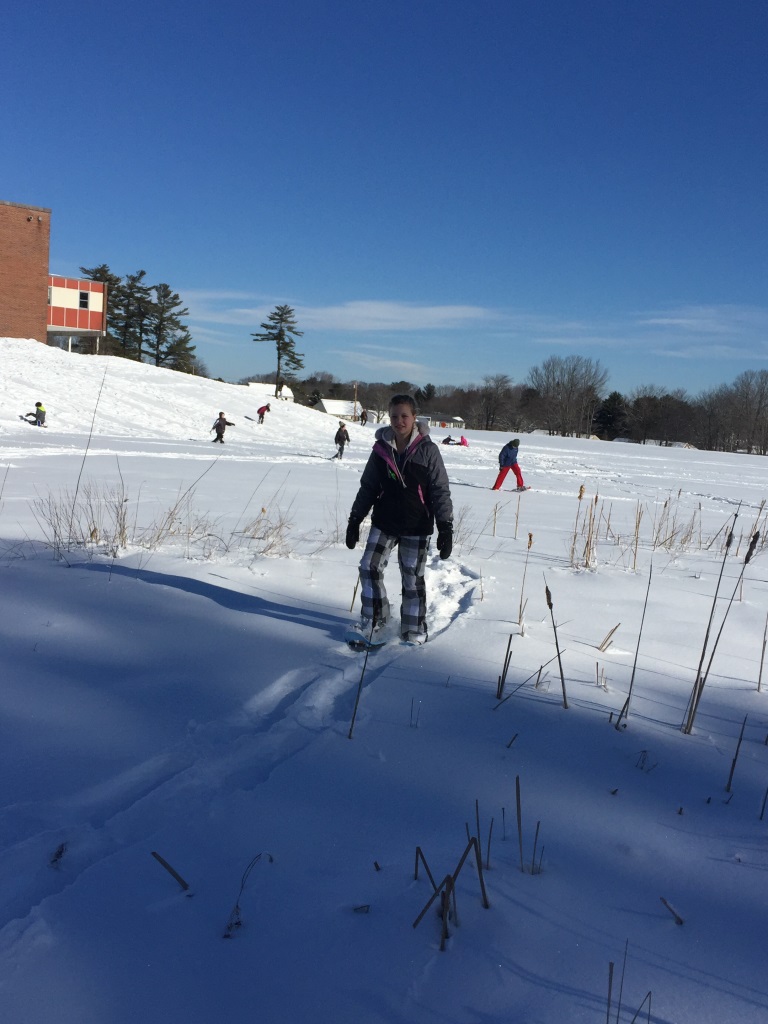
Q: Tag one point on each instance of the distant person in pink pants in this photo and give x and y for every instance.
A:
(507, 461)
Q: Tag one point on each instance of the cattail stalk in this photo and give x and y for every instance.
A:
(736, 755)
(522, 585)
(576, 526)
(557, 645)
(519, 820)
(535, 844)
(360, 684)
(696, 692)
(624, 713)
(610, 991)
(354, 592)
(638, 520)
(762, 657)
(747, 559)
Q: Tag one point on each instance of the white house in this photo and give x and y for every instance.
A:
(342, 409)
(442, 419)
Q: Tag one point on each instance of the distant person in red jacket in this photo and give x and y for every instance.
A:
(261, 412)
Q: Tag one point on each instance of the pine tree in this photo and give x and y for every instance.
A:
(133, 304)
(280, 327)
(168, 339)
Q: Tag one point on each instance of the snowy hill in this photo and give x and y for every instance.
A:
(174, 682)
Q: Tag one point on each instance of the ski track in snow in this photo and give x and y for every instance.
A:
(241, 751)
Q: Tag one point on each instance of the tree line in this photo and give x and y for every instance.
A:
(568, 396)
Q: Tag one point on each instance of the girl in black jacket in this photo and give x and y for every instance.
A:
(406, 485)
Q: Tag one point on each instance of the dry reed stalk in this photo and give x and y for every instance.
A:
(535, 844)
(638, 520)
(673, 912)
(171, 871)
(659, 524)
(420, 857)
(354, 592)
(607, 641)
(648, 997)
(610, 991)
(360, 685)
(756, 524)
(522, 585)
(736, 755)
(576, 526)
(557, 644)
(590, 548)
(503, 677)
(517, 514)
(698, 685)
(747, 559)
(519, 820)
(527, 680)
(762, 657)
(625, 710)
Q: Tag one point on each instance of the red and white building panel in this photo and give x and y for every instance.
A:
(76, 307)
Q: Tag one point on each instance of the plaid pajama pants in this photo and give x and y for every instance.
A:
(412, 558)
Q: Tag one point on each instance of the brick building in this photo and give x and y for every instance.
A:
(36, 304)
(25, 233)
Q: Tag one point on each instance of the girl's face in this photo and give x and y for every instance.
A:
(402, 420)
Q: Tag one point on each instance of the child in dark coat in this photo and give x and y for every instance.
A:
(340, 439)
(220, 426)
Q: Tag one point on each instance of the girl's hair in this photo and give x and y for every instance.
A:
(403, 400)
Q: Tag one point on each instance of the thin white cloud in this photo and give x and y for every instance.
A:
(724, 319)
(387, 363)
(392, 316)
(356, 315)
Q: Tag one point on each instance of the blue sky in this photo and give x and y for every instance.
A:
(442, 190)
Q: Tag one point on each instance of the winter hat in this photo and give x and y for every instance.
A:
(341, 423)
(515, 442)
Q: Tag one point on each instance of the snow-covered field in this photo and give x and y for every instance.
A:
(173, 680)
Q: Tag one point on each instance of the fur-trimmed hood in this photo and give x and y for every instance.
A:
(387, 434)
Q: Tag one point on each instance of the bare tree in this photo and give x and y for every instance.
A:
(565, 393)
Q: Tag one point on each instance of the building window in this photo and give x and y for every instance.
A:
(49, 294)
(83, 300)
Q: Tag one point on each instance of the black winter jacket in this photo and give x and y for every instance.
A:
(407, 493)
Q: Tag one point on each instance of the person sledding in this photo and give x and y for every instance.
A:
(341, 438)
(220, 425)
(406, 485)
(38, 416)
(261, 413)
(507, 461)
